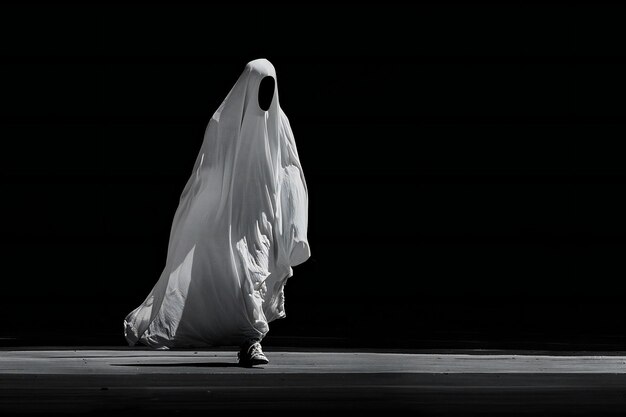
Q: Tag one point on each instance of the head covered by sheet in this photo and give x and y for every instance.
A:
(240, 226)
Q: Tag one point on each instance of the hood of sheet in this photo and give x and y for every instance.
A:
(240, 226)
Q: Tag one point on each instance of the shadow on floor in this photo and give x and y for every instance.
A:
(185, 364)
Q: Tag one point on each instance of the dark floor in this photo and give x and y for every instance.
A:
(139, 381)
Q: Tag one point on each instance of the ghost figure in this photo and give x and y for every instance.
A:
(240, 227)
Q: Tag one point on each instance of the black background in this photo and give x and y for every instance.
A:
(464, 165)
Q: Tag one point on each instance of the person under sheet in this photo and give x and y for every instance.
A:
(240, 227)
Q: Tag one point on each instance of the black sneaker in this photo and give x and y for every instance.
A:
(251, 354)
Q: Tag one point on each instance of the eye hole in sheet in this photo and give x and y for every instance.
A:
(266, 92)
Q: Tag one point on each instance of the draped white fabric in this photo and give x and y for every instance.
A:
(240, 226)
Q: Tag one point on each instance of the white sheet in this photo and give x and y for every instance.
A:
(240, 226)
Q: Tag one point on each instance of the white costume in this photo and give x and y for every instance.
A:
(240, 226)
